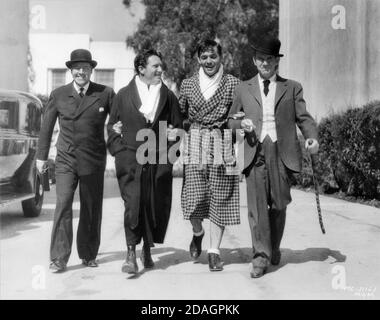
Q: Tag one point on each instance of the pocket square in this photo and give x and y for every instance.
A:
(101, 109)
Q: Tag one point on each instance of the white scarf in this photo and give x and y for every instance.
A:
(149, 98)
(209, 85)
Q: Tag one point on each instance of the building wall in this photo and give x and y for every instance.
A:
(51, 51)
(115, 55)
(14, 30)
(101, 26)
(332, 48)
(104, 20)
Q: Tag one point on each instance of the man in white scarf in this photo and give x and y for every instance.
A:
(148, 87)
(208, 191)
(146, 187)
(208, 83)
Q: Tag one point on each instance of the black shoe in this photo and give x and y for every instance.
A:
(214, 262)
(276, 257)
(130, 263)
(57, 266)
(196, 246)
(146, 257)
(259, 265)
(90, 263)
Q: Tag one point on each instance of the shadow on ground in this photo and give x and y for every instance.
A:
(12, 224)
(172, 256)
(308, 255)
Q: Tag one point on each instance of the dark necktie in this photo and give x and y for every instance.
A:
(81, 94)
(266, 87)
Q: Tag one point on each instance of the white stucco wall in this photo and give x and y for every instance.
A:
(51, 51)
(114, 55)
(332, 48)
(14, 30)
(102, 26)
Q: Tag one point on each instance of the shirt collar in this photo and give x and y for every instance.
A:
(141, 83)
(271, 79)
(85, 87)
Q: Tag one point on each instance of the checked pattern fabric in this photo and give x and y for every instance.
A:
(210, 194)
(213, 112)
(207, 190)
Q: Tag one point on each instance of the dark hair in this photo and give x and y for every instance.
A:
(142, 58)
(207, 44)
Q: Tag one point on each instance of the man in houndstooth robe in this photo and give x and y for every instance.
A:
(208, 191)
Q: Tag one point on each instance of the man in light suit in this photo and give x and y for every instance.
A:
(273, 107)
(81, 108)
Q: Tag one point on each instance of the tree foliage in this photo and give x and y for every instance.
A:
(174, 27)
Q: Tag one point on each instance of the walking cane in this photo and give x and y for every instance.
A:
(314, 158)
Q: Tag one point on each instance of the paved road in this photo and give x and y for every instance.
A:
(342, 264)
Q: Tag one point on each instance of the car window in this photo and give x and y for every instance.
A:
(9, 109)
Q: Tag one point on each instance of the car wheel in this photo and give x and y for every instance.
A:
(32, 207)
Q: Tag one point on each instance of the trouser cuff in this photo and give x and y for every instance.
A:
(213, 250)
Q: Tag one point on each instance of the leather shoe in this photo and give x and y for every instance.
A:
(258, 266)
(130, 264)
(90, 263)
(196, 246)
(57, 266)
(146, 257)
(214, 262)
(276, 257)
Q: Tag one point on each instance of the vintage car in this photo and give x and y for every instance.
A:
(20, 122)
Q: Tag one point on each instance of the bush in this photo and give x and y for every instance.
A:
(349, 155)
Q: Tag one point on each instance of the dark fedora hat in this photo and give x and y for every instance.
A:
(81, 55)
(268, 45)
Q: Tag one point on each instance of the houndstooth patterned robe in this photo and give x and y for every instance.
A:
(207, 191)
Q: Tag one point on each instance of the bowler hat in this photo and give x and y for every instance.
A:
(268, 45)
(81, 55)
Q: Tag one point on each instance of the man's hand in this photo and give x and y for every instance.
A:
(42, 166)
(238, 116)
(312, 146)
(171, 133)
(247, 125)
(117, 127)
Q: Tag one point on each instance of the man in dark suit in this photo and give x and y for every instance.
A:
(81, 108)
(146, 108)
(273, 107)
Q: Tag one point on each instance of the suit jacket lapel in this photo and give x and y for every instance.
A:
(161, 102)
(254, 89)
(88, 100)
(280, 90)
(135, 98)
(72, 101)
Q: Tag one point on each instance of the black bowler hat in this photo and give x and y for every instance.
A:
(268, 45)
(81, 55)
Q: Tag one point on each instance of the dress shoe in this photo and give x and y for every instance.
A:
(276, 257)
(146, 257)
(90, 263)
(196, 246)
(57, 266)
(258, 266)
(130, 264)
(214, 262)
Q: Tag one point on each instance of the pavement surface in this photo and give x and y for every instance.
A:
(342, 264)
